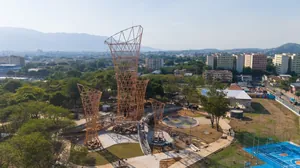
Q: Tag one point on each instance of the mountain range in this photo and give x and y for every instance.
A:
(20, 39)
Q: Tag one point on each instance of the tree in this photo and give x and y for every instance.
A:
(58, 99)
(215, 104)
(44, 126)
(32, 150)
(74, 73)
(12, 85)
(298, 93)
(169, 63)
(285, 85)
(191, 94)
(34, 109)
(10, 73)
(154, 88)
(55, 113)
(247, 71)
(27, 93)
(7, 157)
(6, 99)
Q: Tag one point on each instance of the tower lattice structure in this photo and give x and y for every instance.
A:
(141, 87)
(125, 51)
(90, 101)
(158, 110)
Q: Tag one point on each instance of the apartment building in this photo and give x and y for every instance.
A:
(218, 75)
(240, 59)
(256, 61)
(210, 61)
(225, 62)
(295, 63)
(281, 62)
(17, 60)
(154, 63)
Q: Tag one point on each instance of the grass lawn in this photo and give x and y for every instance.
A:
(111, 154)
(231, 157)
(270, 122)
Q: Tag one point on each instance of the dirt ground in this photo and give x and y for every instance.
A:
(194, 113)
(197, 131)
(269, 119)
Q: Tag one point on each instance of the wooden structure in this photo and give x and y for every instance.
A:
(125, 51)
(158, 111)
(90, 101)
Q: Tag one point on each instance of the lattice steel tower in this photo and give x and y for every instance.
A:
(125, 51)
(90, 101)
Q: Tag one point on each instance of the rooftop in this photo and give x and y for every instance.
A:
(295, 84)
(234, 86)
(236, 94)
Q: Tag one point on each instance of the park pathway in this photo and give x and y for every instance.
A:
(188, 156)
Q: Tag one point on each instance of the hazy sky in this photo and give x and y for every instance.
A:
(168, 24)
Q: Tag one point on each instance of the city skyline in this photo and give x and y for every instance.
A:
(168, 25)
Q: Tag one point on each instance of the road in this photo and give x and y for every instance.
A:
(284, 97)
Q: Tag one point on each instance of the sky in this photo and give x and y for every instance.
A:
(168, 24)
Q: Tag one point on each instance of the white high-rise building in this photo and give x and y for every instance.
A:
(240, 60)
(210, 61)
(281, 62)
(295, 63)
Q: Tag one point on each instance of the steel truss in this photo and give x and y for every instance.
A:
(90, 101)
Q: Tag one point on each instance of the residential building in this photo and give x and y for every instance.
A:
(218, 75)
(210, 61)
(256, 61)
(281, 62)
(240, 59)
(295, 63)
(4, 68)
(17, 60)
(154, 63)
(225, 62)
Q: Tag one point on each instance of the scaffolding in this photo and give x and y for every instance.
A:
(90, 101)
(125, 51)
(158, 110)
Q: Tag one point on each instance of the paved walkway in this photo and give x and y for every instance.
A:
(188, 156)
(109, 139)
(64, 155)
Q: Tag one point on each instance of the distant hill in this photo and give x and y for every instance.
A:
(285, 48)
(21, 39)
